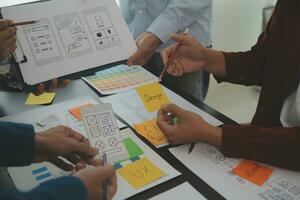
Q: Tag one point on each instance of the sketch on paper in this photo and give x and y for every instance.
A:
(42, 42)
(72, 34)
(101, 27)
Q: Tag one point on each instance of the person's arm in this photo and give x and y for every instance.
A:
(176, 17)
(67, 187)
(16, 144)
(276, 146)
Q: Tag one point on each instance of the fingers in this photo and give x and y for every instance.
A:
(105, 172)
(136, 58)
(6, 34)
(113, 187)
(179, 38)
(163, 122)
(173, 109)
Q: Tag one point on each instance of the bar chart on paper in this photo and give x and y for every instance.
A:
(120, 78)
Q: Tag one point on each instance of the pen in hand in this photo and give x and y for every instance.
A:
(172, 57)
(23, 23)
(105, 183)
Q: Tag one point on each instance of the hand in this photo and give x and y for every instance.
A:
(93, 179)
(147, 43)
(7, 39)
(190, 127)
(50, 86)
(191, 55)
(61, 141)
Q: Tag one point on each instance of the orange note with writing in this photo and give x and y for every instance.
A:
(76, 111)
(151, 132)
(253, 172)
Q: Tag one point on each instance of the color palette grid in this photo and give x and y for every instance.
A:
(120, 78)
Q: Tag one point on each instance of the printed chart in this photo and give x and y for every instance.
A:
(120, 78)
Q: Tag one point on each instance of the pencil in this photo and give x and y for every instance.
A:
(23, 23)
(191, 148)
(105, 184)
(173, 57)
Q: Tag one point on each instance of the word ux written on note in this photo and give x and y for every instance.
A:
(153, 96)
(151, 132)
(253, 172)
(140, 173)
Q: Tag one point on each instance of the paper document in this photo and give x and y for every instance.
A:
(183, 191)
(6, 3)
(130, 107)
(210, 165)
(71, 36)
(119, 79)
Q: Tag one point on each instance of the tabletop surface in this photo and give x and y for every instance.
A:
(13, 103)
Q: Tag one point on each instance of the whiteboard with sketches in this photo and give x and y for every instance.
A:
(71, 36)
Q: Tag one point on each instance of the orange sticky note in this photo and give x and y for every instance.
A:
(153, 96)
(253, 172)
(76, 111)
(151, 132)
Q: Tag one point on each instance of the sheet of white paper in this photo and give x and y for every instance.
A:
(216, 170)
(26, 178)
(183, 191)
(5, 3)
(71, 36)
(130, 107)
(103, 132)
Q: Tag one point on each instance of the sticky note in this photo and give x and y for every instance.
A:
(153, 96)
(151, 132)
(45, 98)
(141, 173)
(133, 149)
(76, 111)
(253, 172)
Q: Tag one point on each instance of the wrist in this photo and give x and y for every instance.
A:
(149, 41)
(39, 143)
(214, 136)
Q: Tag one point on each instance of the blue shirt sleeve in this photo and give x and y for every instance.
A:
(63, 188)
(177, 16)
(16, 144)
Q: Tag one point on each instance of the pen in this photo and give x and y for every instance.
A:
(191, 148)
(105, 184)
(23, 23)
(173, 56)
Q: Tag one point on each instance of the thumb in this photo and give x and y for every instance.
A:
(180, 38)
(173, 109)
(132, 60)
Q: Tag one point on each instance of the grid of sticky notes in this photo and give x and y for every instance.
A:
(120, 78)
(76, 111)
(141, 173)
(153, 96)
(43, 99)
(253, 172)
(151, 132)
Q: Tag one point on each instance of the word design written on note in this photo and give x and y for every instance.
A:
(253, 172)
(141, 173)
(151, 132)
(153, 96)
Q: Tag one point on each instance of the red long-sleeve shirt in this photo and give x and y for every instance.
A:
(274, 64)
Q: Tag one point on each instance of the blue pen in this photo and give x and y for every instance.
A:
(105, 183)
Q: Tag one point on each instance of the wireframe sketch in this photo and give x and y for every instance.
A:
(101, 27)
(72, 34)
(42, 42)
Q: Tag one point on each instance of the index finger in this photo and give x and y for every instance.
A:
(162, 123)
(5, 23)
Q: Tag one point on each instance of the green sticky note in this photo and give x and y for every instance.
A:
(133, 149)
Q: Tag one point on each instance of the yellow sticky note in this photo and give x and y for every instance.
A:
(153, 96)
(151, 132)
(45, 98)
(140, 173)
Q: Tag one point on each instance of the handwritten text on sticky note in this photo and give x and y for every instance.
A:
(253, 172)
(153, 96)
(76, 111)
(141, 173)
(151, 132)
(45, 98)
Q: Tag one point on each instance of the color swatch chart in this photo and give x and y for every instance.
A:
(120, 78)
